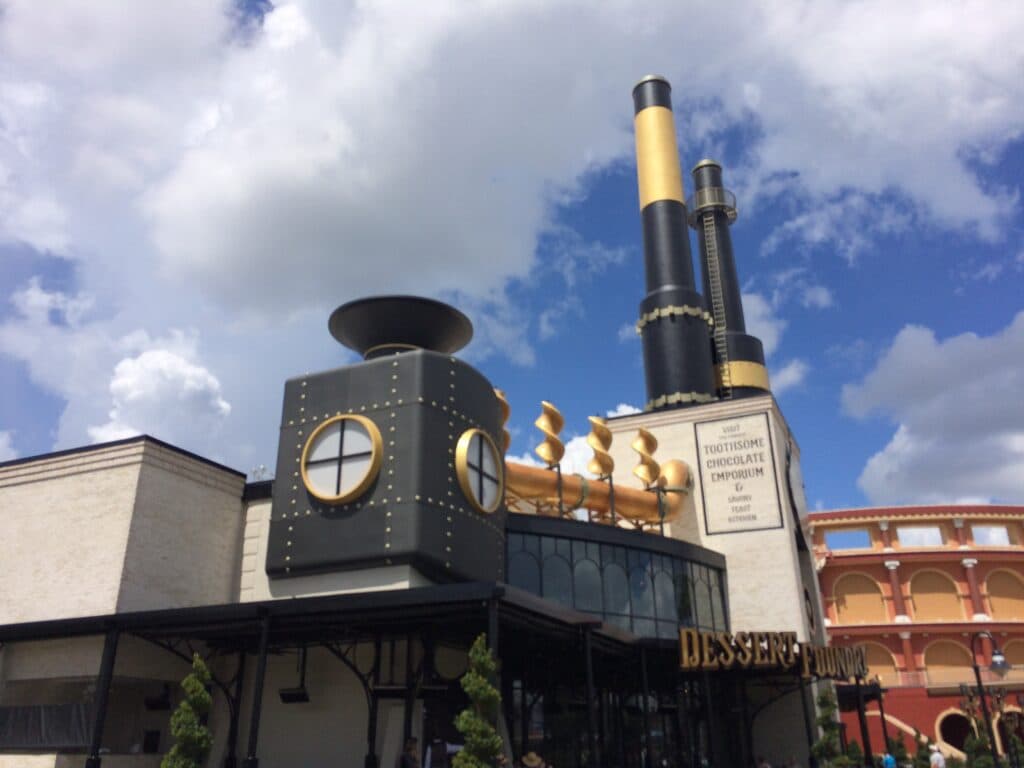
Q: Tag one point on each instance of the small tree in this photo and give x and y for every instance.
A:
(192, 738)
(854, 754)
(827, 750)
(898, 750)
(977, 750)
(477, 722)
(923, 755)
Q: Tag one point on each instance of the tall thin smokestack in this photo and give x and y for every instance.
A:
(674, 322)
(739, 357)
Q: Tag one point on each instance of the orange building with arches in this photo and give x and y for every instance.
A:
(914, 584)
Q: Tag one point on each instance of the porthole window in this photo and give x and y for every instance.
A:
(341, 459)
(478, 466)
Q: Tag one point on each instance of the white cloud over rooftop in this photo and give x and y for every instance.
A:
(207, 172)
(958, 414)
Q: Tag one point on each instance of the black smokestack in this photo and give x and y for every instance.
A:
(739, 357)
(386, 325)
(674, 322)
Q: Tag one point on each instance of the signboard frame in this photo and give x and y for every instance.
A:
(772, 467)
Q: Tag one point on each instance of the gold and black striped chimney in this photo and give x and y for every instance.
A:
(674, 323)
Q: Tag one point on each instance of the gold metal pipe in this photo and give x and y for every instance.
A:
(538, 484)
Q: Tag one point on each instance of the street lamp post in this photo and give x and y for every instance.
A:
(998, 666)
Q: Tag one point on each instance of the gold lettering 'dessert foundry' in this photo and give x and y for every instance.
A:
(703, 651)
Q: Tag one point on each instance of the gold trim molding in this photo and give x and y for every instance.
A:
(684, 310)
(678, 397)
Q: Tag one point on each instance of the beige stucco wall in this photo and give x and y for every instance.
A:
(117, 528)
(78, 658)
(766, 582)
(327, 732)
(184, 544)
(65, 531)
(254, 583)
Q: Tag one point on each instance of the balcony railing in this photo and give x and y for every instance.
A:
(950, 677)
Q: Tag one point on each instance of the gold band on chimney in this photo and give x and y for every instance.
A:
(657, 157)
(743, 373)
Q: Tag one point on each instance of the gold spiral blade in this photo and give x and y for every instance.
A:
(506, 410)
(647, 469)
(600, 440)
(550, 423)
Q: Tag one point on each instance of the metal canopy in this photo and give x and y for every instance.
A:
(447, 610)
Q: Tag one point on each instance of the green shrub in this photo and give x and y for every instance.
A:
(192, 738)
(477, 722)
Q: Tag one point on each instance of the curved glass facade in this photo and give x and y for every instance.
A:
(649, 585)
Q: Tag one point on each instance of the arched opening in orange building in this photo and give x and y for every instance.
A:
(1005, 596)
(935, 597)
(953, 728)
(881, 663)
(948, 662)
(859, 600)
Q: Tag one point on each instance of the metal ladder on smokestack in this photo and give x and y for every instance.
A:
(717, 302)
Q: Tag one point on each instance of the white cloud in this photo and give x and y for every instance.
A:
(989, 271)
(7, 450)
(138, 383)
(789, 376)
(627, 332)
(960, 421)
(849, 222)
(243, 181)
(763, 321)
(817, 296)
(622, 409)
(162, 393)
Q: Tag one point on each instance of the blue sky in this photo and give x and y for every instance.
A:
(186, 192)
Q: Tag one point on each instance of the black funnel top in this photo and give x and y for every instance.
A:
(386, 325)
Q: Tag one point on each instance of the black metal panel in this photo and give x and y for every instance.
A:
(667, 259)
(414, 512)
(732, 304)
(676, 349)
(744, 347)
(652, 91)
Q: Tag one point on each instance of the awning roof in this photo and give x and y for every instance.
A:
(448, 610)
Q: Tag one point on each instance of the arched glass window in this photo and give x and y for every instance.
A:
(684, 606)
(715, 586)
(557, 580)
(524, 572)
(616, 589)
(705, 614)
(641, 590)
(588, 586)
(665, 597)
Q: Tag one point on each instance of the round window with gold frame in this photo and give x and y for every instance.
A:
(479, 468)
(342, 458)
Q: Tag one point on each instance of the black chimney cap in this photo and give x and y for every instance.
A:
(382, 325)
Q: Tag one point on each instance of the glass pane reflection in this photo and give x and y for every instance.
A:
(649, 594)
